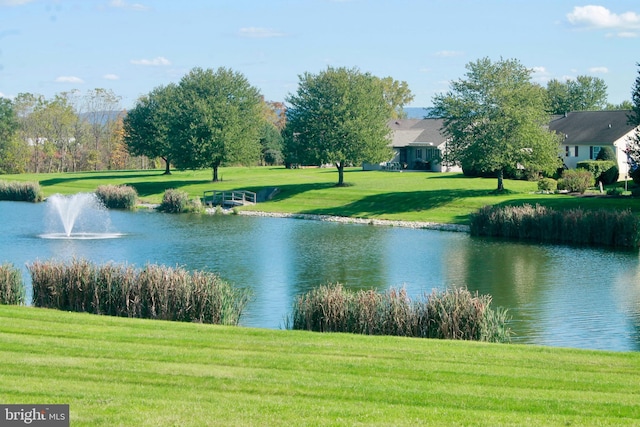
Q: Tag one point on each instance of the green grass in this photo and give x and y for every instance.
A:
(436, 197)
(133, 372)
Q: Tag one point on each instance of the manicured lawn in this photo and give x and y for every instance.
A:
(412, 196)
(131, 372)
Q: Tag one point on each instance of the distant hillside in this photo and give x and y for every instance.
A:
(101, 116)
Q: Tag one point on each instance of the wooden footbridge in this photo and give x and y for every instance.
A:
(229, 198)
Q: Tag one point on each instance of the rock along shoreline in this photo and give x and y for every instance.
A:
(348, 220)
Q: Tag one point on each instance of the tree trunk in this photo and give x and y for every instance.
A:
(167, 166)
(340, 166)
(500, 180)
(215, 173)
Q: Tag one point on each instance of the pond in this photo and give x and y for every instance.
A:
(557, 295)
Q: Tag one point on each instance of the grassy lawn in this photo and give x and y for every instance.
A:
(411, 196)
(131, 372)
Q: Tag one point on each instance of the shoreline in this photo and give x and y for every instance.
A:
(349, 220)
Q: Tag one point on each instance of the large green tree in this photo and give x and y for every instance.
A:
(146, 126)
(633, 145)
(217, 120)
(582, 94)
(495, 119)
(9, 144)
(338, 116)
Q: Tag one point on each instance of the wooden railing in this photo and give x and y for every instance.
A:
(229, 198)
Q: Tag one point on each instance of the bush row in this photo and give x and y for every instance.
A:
(452, 314)
(117, 196)
(21, 191)
(154, 292)
(12, 290)
(616, 228)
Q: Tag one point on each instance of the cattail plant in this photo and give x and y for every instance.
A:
(452, 314)
(12, 290)
(117, 196)
(154, 292)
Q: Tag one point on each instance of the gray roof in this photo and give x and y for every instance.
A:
(592, 127)
(416, 131)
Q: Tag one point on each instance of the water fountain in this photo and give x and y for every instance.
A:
(82, 216)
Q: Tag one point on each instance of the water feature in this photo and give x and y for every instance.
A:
(558, 295)
(82, 216)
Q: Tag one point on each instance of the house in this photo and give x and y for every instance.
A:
(585, 132)
(417, 145)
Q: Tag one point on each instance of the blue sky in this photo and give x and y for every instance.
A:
(132, 46)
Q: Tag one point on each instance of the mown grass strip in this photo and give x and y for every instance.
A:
(116, 371)
(417, 196)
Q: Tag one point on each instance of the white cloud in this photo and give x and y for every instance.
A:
(69, 79)
(625, 35)
(155, 62)
(111, 77)
(449, 53)
(595, 17)
(259, 33)
(2, 95)
(598, 70)
(121, 4)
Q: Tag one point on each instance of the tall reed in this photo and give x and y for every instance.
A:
(117, 196)
(616, 228)
(177, 201)
(21, 191)
(12, 290)
(154, 292)
(452, 314)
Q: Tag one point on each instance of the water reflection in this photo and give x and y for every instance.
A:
(558, 295)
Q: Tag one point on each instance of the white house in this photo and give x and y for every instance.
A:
(585, 132)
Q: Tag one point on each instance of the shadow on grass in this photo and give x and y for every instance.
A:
(400, 202)
(159, 187)
(86, 176)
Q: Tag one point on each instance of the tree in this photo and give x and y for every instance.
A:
(217, 121)
(496, 119)
(633, 118)
(397, 94)
(582, 94)
(99, 107)
(338, 116)
(9, 144)
(146, 126)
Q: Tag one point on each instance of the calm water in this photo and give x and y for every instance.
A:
(558, 295)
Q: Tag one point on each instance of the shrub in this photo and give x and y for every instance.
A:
(154, 292)
(616, 191)
(117, 196)
(618, 228)
(453, 314)
(606, 153)
(12, 290)
(177, 201)
(21, 191)
(575, 180)
(605, 171)
(547, 184)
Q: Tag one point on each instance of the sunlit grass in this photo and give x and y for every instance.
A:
(118, 371)
(412, 196)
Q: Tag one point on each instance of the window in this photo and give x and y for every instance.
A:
(566, 151)
(594, 153)
(418, 153)
(576, 149)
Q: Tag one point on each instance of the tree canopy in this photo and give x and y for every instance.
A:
(633, 145)
(217, 120)
(582, 94)
(495, 119)
(338, 116)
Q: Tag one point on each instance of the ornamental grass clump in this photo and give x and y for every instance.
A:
(153, 292)
(117, 196)
(452, 314)
(603, 227)
(177, 201)
(12, 290)
(21, 191)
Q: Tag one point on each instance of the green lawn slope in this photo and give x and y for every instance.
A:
(132, 372)
(409, 196)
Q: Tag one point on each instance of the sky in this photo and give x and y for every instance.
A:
(133, 46)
